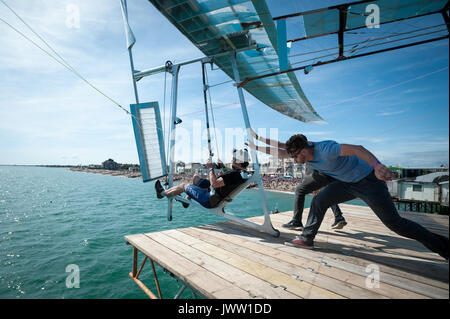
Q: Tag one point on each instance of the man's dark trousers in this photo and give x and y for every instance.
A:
(375, 194)
(310, 183)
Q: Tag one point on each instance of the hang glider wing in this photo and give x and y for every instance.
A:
(218, 26)
(327, 20)
(149, 140)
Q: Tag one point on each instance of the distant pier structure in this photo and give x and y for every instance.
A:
(364, 260)
(424, 193)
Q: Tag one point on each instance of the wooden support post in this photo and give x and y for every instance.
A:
(135, 259)
(143, 287)
(140, 268)
(156, 279)
(135, 274)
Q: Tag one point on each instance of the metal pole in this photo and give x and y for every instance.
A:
(205, 89)
(174, 71)
(267, 222)
(247, 80)
(180, 292)
(132, 75)
(162, 68)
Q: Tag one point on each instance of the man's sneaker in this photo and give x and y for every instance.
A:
(293, 224)
(159, 189)
(185, 205)
(301, 242)
(339, 224)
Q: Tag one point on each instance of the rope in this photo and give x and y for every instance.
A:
(212, 115)
(62, 61)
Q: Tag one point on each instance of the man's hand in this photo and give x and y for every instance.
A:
(316, 192)
(383, 173)
(251, 145)
(252, 131)
(209, 164)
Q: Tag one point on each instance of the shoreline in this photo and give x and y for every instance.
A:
(279, 191)
(185, 178)
(107, 172)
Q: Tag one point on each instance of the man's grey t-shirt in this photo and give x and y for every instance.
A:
(327, 160)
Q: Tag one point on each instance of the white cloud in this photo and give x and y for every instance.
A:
(390, 113)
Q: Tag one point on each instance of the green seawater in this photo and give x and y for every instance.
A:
(53, 218)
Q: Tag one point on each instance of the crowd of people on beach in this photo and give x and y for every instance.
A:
(276, 183)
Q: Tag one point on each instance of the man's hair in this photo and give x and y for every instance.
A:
(296, 142)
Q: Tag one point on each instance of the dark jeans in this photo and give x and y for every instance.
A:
(309, 184)
(375, 194)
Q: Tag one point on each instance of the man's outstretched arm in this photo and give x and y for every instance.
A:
(381, 171)
(277, 152)
(268, 141)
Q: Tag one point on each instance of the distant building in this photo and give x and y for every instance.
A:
(194, 168)
(180, 167)
(444, 193)
(134, 168)
(414, 171)
(110, 165)
(431, 188)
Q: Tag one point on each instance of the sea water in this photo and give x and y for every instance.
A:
(62, 232)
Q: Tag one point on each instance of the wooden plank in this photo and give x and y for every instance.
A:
(353, 233)
(310, 276)
(424, 218)
(394, 240)
(253, 285)
(420, 266)
(277, 278)
(360, 225)
(367, 209)
(398, 278)
(439, 227)
(378, 226)
(205, 282)
(293, 267)
(226, 260)
(433, 227)
(220, 234)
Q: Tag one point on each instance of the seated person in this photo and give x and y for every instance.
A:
(222, 184)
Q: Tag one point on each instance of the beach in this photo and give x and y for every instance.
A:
(124, 173)
(278, 184)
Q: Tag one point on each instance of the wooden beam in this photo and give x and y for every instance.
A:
(143, 287)
(135, 259)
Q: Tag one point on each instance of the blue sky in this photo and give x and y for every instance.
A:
(394, 103)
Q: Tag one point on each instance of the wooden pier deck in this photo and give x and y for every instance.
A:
(224, 260)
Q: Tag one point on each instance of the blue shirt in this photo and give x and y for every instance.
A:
(327, 160)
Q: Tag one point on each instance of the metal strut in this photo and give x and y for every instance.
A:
(205, 98)
(174, 70)
(267, 226)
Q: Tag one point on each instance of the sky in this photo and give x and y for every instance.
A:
(395, 104)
